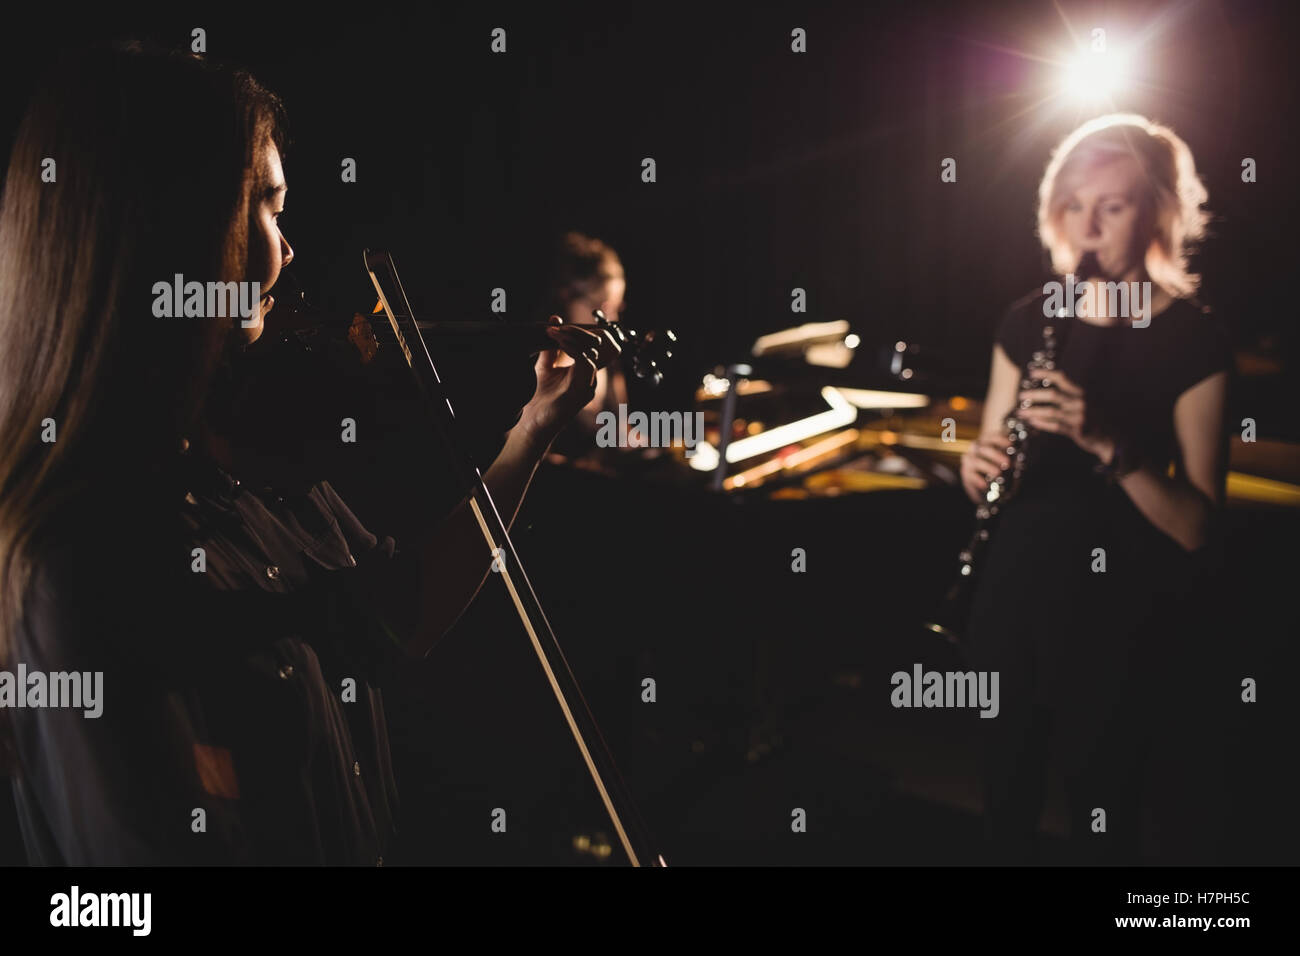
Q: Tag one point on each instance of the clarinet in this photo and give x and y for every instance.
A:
(949, 620)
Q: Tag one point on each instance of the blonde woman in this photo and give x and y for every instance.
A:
(1094, 557)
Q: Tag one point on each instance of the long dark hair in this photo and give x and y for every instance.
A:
(153, 174)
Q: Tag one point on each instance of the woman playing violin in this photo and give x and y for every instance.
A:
(240, 629)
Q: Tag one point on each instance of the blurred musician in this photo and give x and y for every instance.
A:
(1074, 640)
(587, 274)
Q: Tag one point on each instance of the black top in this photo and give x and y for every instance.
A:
(1038, 585)
(225, 690)
(1131, 376)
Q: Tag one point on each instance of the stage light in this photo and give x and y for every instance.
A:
(840, 414)
(1094, 76)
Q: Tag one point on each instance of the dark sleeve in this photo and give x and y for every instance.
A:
(1013, 333)
(112, 783)
(372, 608)
(1205, 350)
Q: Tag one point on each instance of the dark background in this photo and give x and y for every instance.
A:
(775, 170)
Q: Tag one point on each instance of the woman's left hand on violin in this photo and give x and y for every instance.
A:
(566, 379)
(1061, 407)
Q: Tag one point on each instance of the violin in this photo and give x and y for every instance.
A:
(300, 331)
(646, 354)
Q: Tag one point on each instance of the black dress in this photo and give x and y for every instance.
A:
(1078, 649)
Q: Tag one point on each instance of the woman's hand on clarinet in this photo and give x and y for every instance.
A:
(1062, 407)
(983, 461)
(566, 379)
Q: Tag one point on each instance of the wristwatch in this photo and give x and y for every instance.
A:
(1123, 462)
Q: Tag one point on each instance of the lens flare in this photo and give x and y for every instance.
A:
(1095, 76)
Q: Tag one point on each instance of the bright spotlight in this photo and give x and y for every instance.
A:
(1096, 75)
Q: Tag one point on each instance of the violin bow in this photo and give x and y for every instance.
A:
(582, 724)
